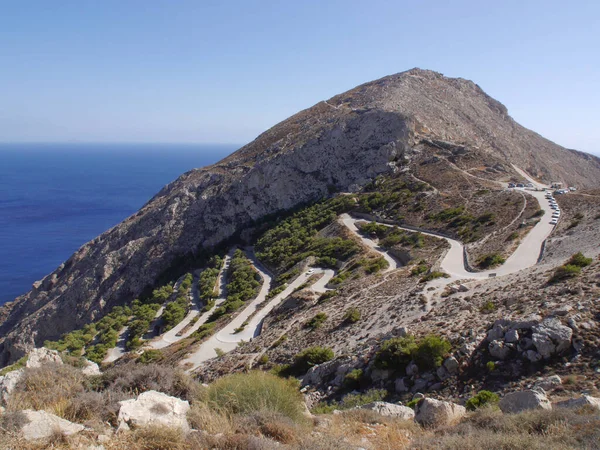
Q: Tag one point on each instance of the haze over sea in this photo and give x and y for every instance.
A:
(56, 197)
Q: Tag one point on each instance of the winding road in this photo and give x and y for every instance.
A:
(227, 339)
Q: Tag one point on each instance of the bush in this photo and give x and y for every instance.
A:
(490, 366)
(317, 321)
(374, 228)
(430, 352)
(564, 272)
(351, 401)
(352, 315)
(353, 379)
(150, 356)
(374, 265)
(538, 213)
(419, 269)
(579, 260)
(255, 392)
(395, 353)
(491, 260)
(311, 357)
(433, 275)
(482, 398)
(488, 307)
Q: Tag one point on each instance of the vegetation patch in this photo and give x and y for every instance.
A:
(571, 268)
(482, 398)
(317, 321)
(490, 260)
(397, 353)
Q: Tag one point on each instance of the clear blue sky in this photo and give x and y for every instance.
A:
(224, 71)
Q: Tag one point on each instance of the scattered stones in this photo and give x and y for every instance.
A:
(152, 408)
(41, 425)
(551, 336)
(432, 413)
(516, 402)
(390, 410)
(511, 336)
(548, 383)
(400, 385)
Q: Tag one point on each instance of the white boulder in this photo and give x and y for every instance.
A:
(432, 413)
(551, 337)
(516, 402)
(390, 410)
(42, 424)
(91, 369)
(577, 403)
(8, 383)
(40, 356)
(154, 408)
(548, 383)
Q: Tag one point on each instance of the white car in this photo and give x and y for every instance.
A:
(556, 214)
(310, 271)
(554, 221)
(554, 206)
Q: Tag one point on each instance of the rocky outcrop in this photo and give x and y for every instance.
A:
(41, 425)
(516, 402)
(390, 410)
(338, 145)
(533, 340)
(434, 413)
(8, 383)
(154, 408)
(40, 356)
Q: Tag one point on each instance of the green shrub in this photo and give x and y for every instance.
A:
(263, 359)
(395, 353)
(310, 357)
(431, 351)
(413, 403)
(490, 366)
(491, 260)
(482, 398)
(374, 265)
(327, 296)
(317, 321)
(565, 272)
(512, 236)
(353, 379)
(352, 315)
(150, 356)
(433, 275)
(579, 260)
(255, 391)
(488, 307)
(538, 213)
(419, 270)
(427, 353)
(16, 366)
(351, 401)
(374, 228)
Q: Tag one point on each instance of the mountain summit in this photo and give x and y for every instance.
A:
(396, 124)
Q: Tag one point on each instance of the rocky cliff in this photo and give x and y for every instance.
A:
(337, 145)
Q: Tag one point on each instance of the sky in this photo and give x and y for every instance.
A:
(225, 71)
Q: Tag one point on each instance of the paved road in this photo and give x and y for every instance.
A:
(227, 339)
(525, 256)
(350, 223)
(119, 350)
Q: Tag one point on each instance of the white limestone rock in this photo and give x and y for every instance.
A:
(390, 410)
(8, 383)
(580, 402)
(40, 356)
(516, 402)
(433, 413)
(42, 424)
(154, 408)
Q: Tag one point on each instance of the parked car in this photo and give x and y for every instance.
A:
(511, 185)
(572, 188)
(520, 185)
(553, 221)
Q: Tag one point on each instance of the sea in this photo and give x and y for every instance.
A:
(56, 197)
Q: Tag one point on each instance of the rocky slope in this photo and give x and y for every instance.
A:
(384, 126)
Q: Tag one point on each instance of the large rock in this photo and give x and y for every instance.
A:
(8, 383)
(516, 402)
(91, 369)
(154, 408)
(433, 413)
(577, 403)
(499, 350)
(41, 425)
(548, 383)
(551, 337)
(40, 356)
(390, 410)
(331, 372)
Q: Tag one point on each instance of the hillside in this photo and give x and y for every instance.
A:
(439, 137)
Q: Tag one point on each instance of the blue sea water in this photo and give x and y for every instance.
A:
(56, 197)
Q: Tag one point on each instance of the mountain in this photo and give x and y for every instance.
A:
(402, 123)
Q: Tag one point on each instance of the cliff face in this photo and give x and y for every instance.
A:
(337, 145)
